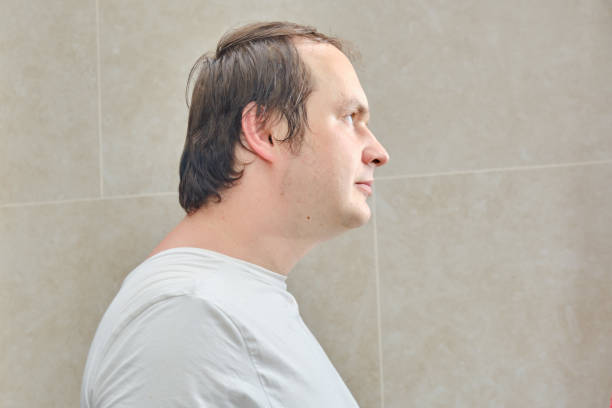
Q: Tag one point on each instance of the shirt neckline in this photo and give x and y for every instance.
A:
(257, 271)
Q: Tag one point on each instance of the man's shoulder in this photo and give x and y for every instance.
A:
(170, 282)
(152, 287)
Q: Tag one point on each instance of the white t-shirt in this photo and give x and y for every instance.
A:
(192, 327)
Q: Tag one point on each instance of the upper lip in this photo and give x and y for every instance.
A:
(368, 182)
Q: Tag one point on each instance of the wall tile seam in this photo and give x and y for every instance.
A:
(87, 199)
(383, 178)
(493, 170)
(378, 306)
(98, 79)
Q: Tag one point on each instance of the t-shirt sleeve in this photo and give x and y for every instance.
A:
(184, 352)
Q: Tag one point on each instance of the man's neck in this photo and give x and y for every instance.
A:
(235, 238)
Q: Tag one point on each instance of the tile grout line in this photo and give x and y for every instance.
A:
(100, 161)
(378, 307)
(83, 200)
(495, 169)
(466, 172)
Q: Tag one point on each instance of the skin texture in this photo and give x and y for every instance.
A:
(284, 205)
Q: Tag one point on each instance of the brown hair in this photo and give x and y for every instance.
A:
(254, 63)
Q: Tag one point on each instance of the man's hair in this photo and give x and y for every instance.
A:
(255, 63)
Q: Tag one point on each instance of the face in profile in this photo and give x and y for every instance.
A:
(339, 149)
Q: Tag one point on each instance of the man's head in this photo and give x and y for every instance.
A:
(255, 63)
(291, 98)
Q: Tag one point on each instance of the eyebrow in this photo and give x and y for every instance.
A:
(353, 104)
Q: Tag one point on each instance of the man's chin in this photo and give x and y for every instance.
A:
(360, 216)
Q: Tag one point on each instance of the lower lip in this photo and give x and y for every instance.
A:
(365, 188)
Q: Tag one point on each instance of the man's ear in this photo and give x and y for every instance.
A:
(256, 134)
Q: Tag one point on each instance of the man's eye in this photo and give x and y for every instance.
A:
(349, 118)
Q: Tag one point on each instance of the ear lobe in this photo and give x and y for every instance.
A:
(256, 134)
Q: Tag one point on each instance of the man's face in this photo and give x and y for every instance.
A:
(339, 150)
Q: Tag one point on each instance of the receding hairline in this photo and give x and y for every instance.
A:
(304, 43)
(309, 51)
(348, 101)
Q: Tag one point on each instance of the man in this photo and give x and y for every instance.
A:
(206, 320)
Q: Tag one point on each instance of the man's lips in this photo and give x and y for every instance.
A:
(365, 186)
(368, 182)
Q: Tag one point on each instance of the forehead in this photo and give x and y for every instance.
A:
(331, 72)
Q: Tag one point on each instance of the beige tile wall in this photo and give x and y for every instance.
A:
(482, 278)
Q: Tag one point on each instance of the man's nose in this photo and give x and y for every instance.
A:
(375, 153)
